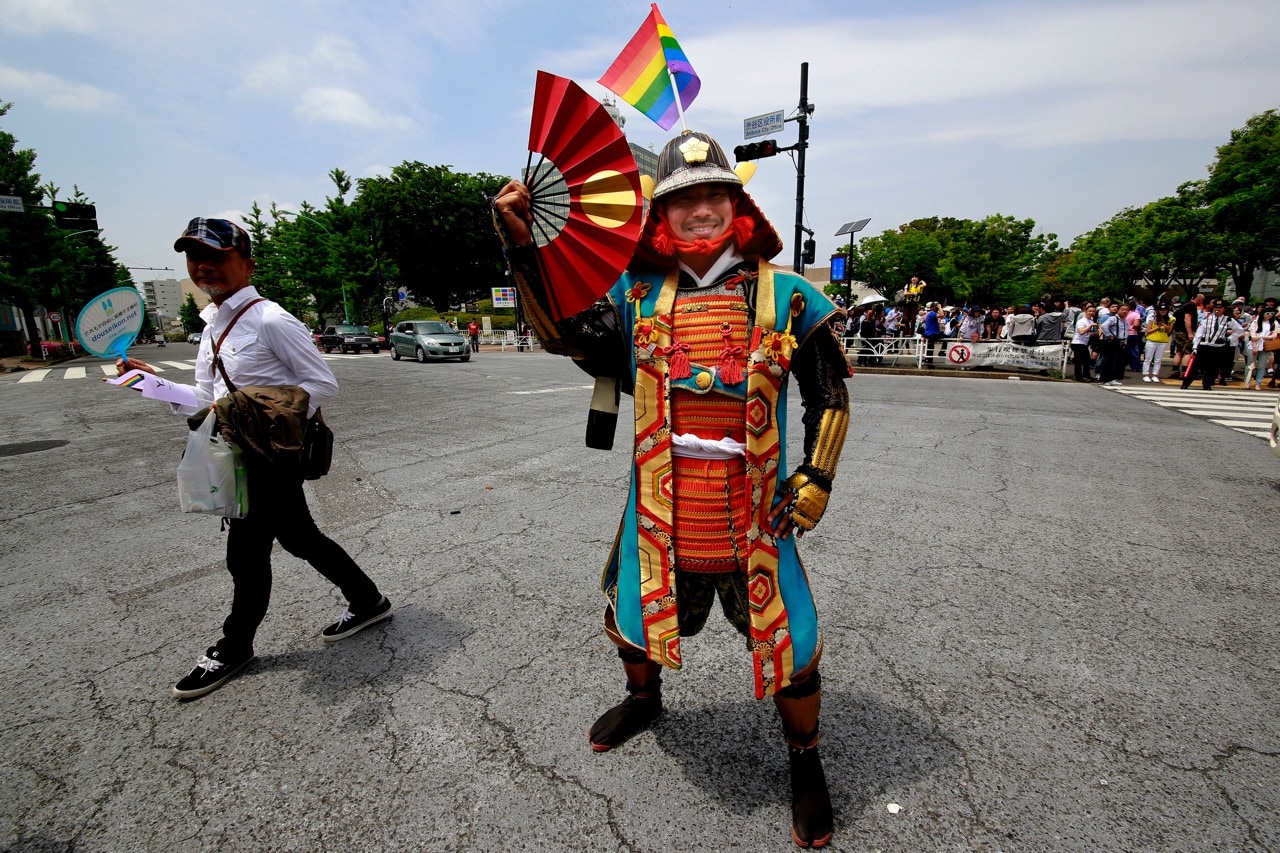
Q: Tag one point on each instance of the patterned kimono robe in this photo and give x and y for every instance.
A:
(787, 323)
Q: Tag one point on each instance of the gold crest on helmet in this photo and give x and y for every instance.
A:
(694, 150)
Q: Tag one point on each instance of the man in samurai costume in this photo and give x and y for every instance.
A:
(704, 333)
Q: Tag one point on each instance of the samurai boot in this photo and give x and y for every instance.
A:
(811, 817)
(635, 713)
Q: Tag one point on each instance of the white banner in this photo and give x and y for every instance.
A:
(1005, 355)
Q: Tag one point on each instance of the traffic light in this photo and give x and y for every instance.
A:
(75, 216)
(810, 251)
(756, 150)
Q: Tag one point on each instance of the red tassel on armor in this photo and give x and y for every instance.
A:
(678, 367)
(730, 369)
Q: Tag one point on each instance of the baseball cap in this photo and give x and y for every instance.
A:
(216, 234)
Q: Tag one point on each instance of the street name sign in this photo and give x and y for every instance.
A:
(762, 125)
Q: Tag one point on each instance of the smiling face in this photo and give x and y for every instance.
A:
(700, 212)
(218, 272)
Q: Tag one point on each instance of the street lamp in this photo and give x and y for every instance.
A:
(850, 228)
(346, 305)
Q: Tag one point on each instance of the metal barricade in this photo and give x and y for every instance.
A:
(953, 354)
(885, 352)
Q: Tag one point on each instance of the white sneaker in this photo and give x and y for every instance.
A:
(1114, 383)
(1146, 379)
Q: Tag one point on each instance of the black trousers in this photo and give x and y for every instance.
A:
(278, 510)
(1111, 360)
(1208, 363)
(1082, 360)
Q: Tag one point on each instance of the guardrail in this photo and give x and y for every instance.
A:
(506, 340)
(953, 354)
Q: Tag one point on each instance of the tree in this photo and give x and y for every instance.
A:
(434, 227)
(1166, 243)
(886, 262)
(40, 265)
(1243, 197)
(189, 316)
(997, 260)
(26, 237)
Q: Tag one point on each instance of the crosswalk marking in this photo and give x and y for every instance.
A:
(81, 371)
(1248, 412)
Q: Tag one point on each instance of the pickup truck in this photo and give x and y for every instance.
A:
(349, 339)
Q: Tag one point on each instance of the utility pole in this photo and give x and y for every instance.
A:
(805, 110)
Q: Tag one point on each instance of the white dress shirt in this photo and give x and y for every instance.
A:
(267, 346)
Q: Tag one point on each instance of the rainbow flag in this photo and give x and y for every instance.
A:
(640, 73)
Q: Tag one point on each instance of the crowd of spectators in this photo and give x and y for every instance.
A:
(1206, 338)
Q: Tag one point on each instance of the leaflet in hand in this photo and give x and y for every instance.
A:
(155, 388)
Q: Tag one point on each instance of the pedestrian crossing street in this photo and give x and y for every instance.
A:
(108, 369)
(1248, 412)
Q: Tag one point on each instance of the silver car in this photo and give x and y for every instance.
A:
(428, 340)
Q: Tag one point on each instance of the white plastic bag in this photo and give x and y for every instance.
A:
(211, 476)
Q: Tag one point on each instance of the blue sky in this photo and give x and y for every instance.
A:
(1063, 112)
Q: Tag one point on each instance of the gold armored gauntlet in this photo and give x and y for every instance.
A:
(811, 499)
(811, 482)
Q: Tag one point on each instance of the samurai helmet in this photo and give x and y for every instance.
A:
(692, 158)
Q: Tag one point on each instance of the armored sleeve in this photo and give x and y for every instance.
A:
(820, 370)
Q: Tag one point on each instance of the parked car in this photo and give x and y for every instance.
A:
(428, 340)
(194, 338)
(349, 339)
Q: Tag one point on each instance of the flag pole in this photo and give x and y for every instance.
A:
(671, 75)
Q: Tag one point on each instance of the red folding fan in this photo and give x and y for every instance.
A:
(584, 195)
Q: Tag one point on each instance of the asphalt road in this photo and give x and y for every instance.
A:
(1049, 613)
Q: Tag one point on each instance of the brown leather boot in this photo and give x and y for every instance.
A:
(635, 713)
(811, 818)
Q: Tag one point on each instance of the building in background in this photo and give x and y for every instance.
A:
(164, 299)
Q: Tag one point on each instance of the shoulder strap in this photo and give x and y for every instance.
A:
(217, 345)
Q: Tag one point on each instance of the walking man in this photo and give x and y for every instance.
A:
(259, 343)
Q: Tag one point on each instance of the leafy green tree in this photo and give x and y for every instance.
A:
(1166, 243)
(319, 263)
(1103, 262)
(41, 265)
(1243, 197)
(996, 261)
(887, 261)
(433, 227)
(189, 316)
(999, 259)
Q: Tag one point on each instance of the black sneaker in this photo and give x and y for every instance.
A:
(213, 669)
(350, 623)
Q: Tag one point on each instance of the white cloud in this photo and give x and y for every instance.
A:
(1090, 72)
(57, 93)
(319, 80)
(344, 106)
(30, 17)
(285, 72)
